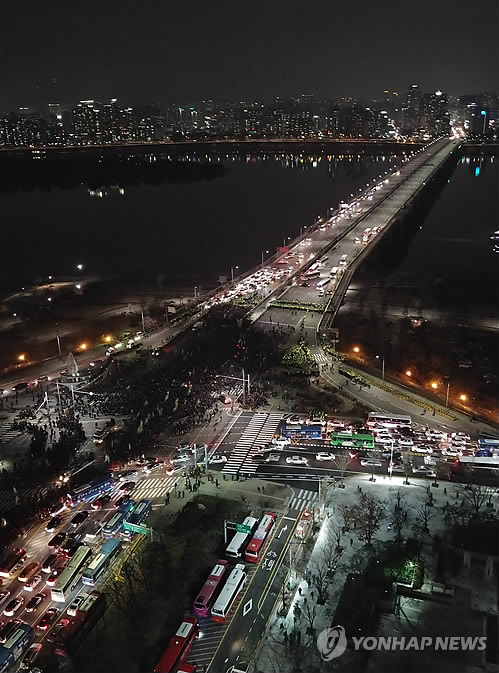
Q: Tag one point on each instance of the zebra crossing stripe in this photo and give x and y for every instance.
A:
(302, 500)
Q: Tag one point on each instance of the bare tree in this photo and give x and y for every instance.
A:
(347, 514)
(476, 498)
(368, 515)
(398, 513)
(337, 536)
(341, 463)
(424, 514)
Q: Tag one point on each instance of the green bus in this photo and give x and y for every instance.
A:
(354, 441)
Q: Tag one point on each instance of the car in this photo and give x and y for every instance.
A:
(452, 451)
(273, 458)
(405, 441)
(217, 459)
(151, 467)
(31, 656)
(258, 456)
(4, 595)
(57, 540)
(101, 501)
(57, 509)
(28, 571)
(128, 474)
(121, 500)
(281, 442)
(34, 603)
(49, 563)
(181, 459)
(52, 578)
(53, 524)
(293, 420)
(79, 518)
(48, 619)
(384, 440)
(461, 435)
(32, 583)
(428, 460)
(370, 462)
(296, 460)
(75, 605)
(70, 550)
(396, 467)
(305, 284)
(424, 470)
(13, 606)
(61, 624)
(127, 486)
(458, 441)
(199, 449)
(422, 448)
(324, 455)
(268, 448)
(8, 629)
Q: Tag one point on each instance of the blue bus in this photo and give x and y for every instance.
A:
(16, 646)
(304, 431)
(487, 446)
(113, 525)
(101, 562)
(137, 517)
(88, 491)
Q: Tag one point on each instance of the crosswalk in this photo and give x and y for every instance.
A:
(259, 430)
(322, 359)
(150, 487)
(8, 497)
(303, 499)
(6, 431)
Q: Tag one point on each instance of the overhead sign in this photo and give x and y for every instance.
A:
(241, 528)
(135, 528)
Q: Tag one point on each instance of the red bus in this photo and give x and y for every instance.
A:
(255, 547)
(206, 596)
(179, 647)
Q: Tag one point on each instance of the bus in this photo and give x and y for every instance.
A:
(206, 596)
(229, 593)
(308, 275)
(179, 647)
(71, 636)
(487, 446)
(71, 575)
(239, 541)
(15, 647)
(139, 514)
(88, 491)
(101, 562)
(479, 470)
(305, 431)
(355, 441)
(322, 284)
(114, 523)
(479, 462)
(388, 420)
(12, 561)
(262, 534)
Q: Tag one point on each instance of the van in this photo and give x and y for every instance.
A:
(49, 563)
(343, 260)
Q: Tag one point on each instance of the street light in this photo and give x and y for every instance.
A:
(382, 358)
(356, 349)
(232, 272)
(108, 339)
(434, 386)
(408, 373)
(21, 358)
(83, 347)
(79, 267)
(266, 252)
(463, 398)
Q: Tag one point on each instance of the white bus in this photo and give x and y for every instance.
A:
(226, 598)
(343, 260)
(71, 575)
(239, 541)
(387, 420)
(321, 285)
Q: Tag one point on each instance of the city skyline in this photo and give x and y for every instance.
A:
(191, 52)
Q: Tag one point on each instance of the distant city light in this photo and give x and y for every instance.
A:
(80, 267)
(83, 347)
(463, 398)
(21, 358)
(356, 349)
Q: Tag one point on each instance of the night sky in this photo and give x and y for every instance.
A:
(181, 51)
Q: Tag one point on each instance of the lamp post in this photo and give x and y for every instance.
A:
(390, 467)
(266, 252)
(447, 395)
(382, 358)
(232, 272)
(58, 339)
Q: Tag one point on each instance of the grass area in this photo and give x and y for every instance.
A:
(159, 586)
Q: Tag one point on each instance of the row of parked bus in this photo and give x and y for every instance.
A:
(219, 592)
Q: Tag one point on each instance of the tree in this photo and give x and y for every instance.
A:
(398, 513)
(368, 515)
(475, 497)
(424, 514)
(341, 463)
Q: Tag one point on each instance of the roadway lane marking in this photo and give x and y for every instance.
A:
(247, 607)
